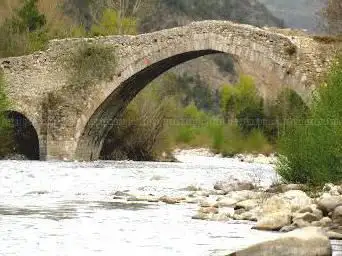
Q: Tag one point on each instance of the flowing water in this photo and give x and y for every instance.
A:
(66, 208)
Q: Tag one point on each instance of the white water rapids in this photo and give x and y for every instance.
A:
(66, 208)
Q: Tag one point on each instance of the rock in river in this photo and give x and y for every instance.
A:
(303, 242)
(273, 222)
(234, 185)
(329, 203)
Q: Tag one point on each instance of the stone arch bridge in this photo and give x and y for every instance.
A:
(72, 123)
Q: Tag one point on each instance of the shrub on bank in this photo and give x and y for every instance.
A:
(311, 147)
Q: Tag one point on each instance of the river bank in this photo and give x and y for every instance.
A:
(190, 155)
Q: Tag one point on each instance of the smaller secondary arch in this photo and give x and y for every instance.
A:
(24, 140)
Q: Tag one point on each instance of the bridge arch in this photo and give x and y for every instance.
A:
(258, 52)
(25, 139)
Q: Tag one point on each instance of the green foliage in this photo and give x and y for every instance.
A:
(112, 24)
(27, 30)
(311, 147)
(236, 99)
(24, 32)
(28, 18)
(3, 97)
(287, 107)
(192, 130)
(91, 63)
(228, 140)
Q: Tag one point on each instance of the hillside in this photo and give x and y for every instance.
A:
(296, 13)
(170, 13)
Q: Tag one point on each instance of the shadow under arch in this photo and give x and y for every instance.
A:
(25, 140)
(91, 140)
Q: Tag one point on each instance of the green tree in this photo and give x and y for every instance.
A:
(229, 102)
(311, 148)
(28, 17)
(23, 33)
(239, 98)
(111, 23)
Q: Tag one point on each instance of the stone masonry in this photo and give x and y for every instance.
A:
(75, 125)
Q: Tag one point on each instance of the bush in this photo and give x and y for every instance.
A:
(286, 107)
(23, 33)
(91, 63)
(143, 132)
(311, 148)
(112, 24)
(238, 98)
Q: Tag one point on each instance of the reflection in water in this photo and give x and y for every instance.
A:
(57, 208)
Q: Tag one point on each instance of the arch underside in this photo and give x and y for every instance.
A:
(23, 137)
(91, 140)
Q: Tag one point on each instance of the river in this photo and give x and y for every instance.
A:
(66, 208)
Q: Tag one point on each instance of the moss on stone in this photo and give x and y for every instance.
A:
(291, 50)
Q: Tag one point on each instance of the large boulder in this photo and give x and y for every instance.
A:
(297, 199)
(226, 202)
(337, 216)
(302, 242)
(273, 222)
(307, 216)
(202, 216)
(171, 200)
(276, 204)
(245, 195)
(277, 211)
(208, 210)
(208, 203)
(248, 204)
(233, 185)
(290, 201)
(328, 203)
(324, 222)
(282, 188)
(331, 189)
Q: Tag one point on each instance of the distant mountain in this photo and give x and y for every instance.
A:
(301, 14)
(214, 70)
(170, 13)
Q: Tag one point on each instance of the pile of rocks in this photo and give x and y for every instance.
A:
(285, 210)
(309, 222)
(281, 208)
